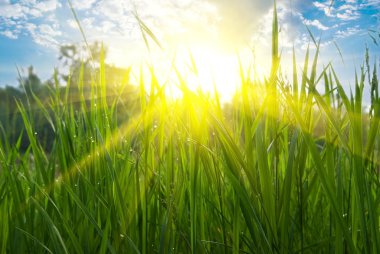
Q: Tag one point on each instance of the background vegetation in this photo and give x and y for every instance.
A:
(32, 91)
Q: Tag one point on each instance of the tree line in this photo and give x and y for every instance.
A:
(79, 64)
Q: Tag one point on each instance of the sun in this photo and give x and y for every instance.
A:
(214, 69)
(210, 68)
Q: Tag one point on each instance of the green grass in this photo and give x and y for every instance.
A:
(278, 170)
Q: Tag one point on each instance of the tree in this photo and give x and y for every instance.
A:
(31, 82)
(78, 57)
(74, 57)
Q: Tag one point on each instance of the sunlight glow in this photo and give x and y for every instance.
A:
(211, 68)
(202, 68)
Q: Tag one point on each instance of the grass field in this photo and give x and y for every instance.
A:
(282, 169)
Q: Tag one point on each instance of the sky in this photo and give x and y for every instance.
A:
(32, 31)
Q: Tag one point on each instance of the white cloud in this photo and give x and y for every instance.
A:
(23, 9)
(346, 11)
(72, 23)
(107, 26)
(371, 3)
(348, 14)
(350, 31)
(18, 18)
(347, 7)
(83, 4)
(46, 6)
(288, 22)
(43, 34)
(30, 27)
(9, 34)
(48, 30)
(15, 11)
(325, 7)
(175, 22)
(316, 23)
(38, 9)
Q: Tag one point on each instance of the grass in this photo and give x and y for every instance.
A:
(277, 171)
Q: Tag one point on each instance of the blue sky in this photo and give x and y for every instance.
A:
(31, 31)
